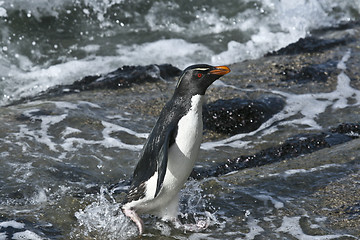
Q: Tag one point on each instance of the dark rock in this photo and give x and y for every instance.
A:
(311, 73)
(352, 211)
(310, 45)
(341, 26)
(126, 76)
(33, 115)
(293, 147)
(239, 115)
(123, 77)
(350, 129)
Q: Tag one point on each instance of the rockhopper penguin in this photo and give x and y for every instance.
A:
(171, 149)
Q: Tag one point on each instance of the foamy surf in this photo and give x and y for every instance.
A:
(19, 233)
(115, 33)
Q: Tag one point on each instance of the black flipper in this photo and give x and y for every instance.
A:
(154, 157)
(162, 161)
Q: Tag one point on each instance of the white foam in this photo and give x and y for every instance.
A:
(176, 51)
(110, 128)
(164, 228)
(291, 225)
(200, 236)
(28, 235)
(13, 224)
(43, 135)
(315, 169)
(342, 64)
(107, 141)
(3, 236)
(266, 197)
(3, 12)
(37, 8)
(90, 104)
(69, 130)
(19, 83)
(64, 105)
(294, 18)
(118, 117)
(39, 197)
(255, 229)
(92, 48)
(274, 24)
(306, 107)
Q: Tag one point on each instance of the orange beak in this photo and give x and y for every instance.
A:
(220, 70)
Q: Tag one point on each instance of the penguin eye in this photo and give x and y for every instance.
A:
(199, 75)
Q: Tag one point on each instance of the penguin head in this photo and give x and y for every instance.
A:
(196, 79)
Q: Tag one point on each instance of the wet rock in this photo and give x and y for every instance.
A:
(293, 147)
(310, 45)
(350, 129)
(33, 115)
(353, 211)
(324, 184)
(126, 76)
(339, 200)
(311, 73)
(240, 115)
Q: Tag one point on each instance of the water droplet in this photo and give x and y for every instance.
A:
(86, 11)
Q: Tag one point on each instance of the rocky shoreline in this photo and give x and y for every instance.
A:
(304, 67)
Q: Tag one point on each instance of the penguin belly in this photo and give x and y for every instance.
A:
(181, 159)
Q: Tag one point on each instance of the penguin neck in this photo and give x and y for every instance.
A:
(193, 102)
(196, 102)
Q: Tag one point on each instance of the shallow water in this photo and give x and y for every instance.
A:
(62, 157)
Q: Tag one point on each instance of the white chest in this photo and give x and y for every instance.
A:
(181, 158)
(184, 152)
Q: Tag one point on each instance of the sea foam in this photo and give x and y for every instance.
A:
(155, 34)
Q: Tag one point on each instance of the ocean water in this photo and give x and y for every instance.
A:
(60, 157)
(46, 42)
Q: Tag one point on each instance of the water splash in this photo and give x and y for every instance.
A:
(195, 207)
(103, 219)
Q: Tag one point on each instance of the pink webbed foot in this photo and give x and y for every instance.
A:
(135, 218)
